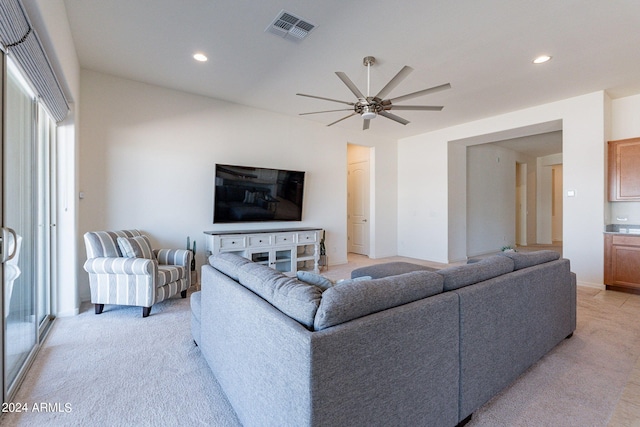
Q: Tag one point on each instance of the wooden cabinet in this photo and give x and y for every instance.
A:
(624, 170)
(285, 250)
(622, 261)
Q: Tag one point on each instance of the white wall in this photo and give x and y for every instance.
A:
(491, 198)
(431, 183)
(147, 160)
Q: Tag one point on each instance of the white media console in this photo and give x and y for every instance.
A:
(286, 250)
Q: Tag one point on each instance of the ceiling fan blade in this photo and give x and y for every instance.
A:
(365, 124)
(395, 81)
(346, 117)
(326, 99)
(393, 117)
(414, 107)
(326, 111)
(420, 93)
(352, 87)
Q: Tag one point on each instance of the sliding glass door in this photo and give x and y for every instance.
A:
(26, 226)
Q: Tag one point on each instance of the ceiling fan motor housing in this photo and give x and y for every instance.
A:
(368, 109)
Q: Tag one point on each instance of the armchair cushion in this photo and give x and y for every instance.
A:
(170, 273)
(136, 247)
(173, 257)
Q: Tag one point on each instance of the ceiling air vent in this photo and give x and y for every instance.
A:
(290, 26)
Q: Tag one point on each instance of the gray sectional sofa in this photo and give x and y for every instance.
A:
(421, 348)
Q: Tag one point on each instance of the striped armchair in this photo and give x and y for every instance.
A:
(124, 270)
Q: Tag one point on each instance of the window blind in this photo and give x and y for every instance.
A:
(20, 41)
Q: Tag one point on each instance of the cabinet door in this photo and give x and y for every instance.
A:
(282, 259)
(626, 266)
(261, 257)
(624, 169)
(622, 261)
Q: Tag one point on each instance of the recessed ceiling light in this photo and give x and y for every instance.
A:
(200, 57)
(541, 59)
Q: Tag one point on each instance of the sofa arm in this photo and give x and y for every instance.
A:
(174, 257)
(120, 266)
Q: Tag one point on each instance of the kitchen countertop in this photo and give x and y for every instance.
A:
(622, 229)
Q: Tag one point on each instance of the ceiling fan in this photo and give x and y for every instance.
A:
(369, 107)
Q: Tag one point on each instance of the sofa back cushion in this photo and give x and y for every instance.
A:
(294, 298)
(468, 274)
(354, 299)
(528, 259)
(228, 263)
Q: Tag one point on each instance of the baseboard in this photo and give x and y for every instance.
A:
(69, 313)
(337, 262)
(591, 285)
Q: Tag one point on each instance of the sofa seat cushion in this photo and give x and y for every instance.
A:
(294, 298)
(228, 263)
(196, 304)
(196, 316)
(358, 298)
(529, 259)
(468, 274)
(170, 273)
(387, 269)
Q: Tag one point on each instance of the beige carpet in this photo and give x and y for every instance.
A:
(117, 369)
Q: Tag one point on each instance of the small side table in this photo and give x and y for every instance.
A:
(194, 280)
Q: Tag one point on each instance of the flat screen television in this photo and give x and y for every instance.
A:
(252, 194)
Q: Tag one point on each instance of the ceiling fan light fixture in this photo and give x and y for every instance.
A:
(200, 57)
(542, 59)
(368, 113)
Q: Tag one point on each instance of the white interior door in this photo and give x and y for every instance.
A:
(556, 204)
(358, 207)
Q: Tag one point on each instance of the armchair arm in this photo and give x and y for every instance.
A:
(174, 257)
(120, 266)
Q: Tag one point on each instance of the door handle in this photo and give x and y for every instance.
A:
(364, 220)
(4, 244)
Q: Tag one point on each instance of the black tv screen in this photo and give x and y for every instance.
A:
(252, 194)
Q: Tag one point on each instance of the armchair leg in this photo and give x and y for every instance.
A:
(99, 308)
(146, 311)
(183, 294)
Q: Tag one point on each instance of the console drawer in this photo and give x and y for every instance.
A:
(232, 242)
(307, 237)
(259, 241)
(284, 239)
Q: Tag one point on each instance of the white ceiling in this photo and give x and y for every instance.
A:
(483, 48)
(538, 145)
